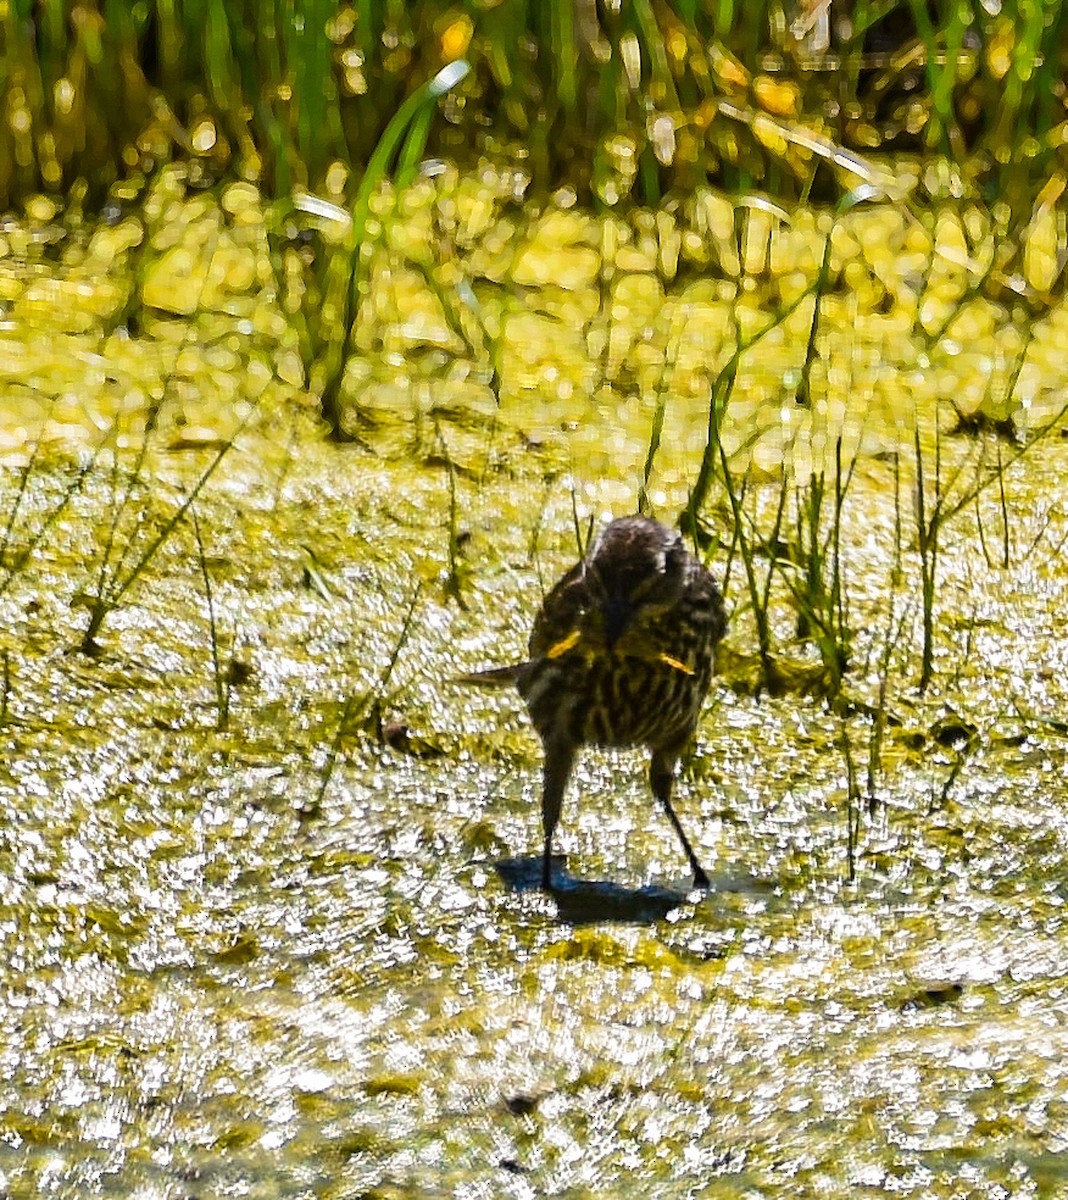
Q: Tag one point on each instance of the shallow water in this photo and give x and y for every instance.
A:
(295, 951)
(225, 979)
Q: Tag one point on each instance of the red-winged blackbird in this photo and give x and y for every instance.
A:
(620, 654)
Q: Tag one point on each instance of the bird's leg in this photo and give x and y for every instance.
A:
(661, 777)
(559, 759)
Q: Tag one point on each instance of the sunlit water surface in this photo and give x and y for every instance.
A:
(269, 960)
(267, 914)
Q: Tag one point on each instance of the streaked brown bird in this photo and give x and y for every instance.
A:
(620, 655)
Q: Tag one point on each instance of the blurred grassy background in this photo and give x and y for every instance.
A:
(629, 99)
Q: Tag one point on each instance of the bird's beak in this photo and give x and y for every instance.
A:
(617, 616)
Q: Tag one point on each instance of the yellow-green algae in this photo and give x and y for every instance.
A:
(223, 979)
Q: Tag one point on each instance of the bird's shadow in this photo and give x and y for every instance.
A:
(588, 901)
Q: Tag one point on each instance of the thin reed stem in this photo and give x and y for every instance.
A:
(222, 687)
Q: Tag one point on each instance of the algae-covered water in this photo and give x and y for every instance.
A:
(265, 869)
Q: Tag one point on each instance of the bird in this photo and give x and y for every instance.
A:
(620, 654)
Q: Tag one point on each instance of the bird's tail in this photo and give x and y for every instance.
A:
(494, 677)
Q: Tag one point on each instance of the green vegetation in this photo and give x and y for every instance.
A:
(328, 299)
(633, 100)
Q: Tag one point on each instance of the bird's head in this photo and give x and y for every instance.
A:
(634, 572)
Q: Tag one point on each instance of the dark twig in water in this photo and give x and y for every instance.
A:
(853, 796)
(453, 583)
(361, 708)
(12, 564)
(220, 678)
